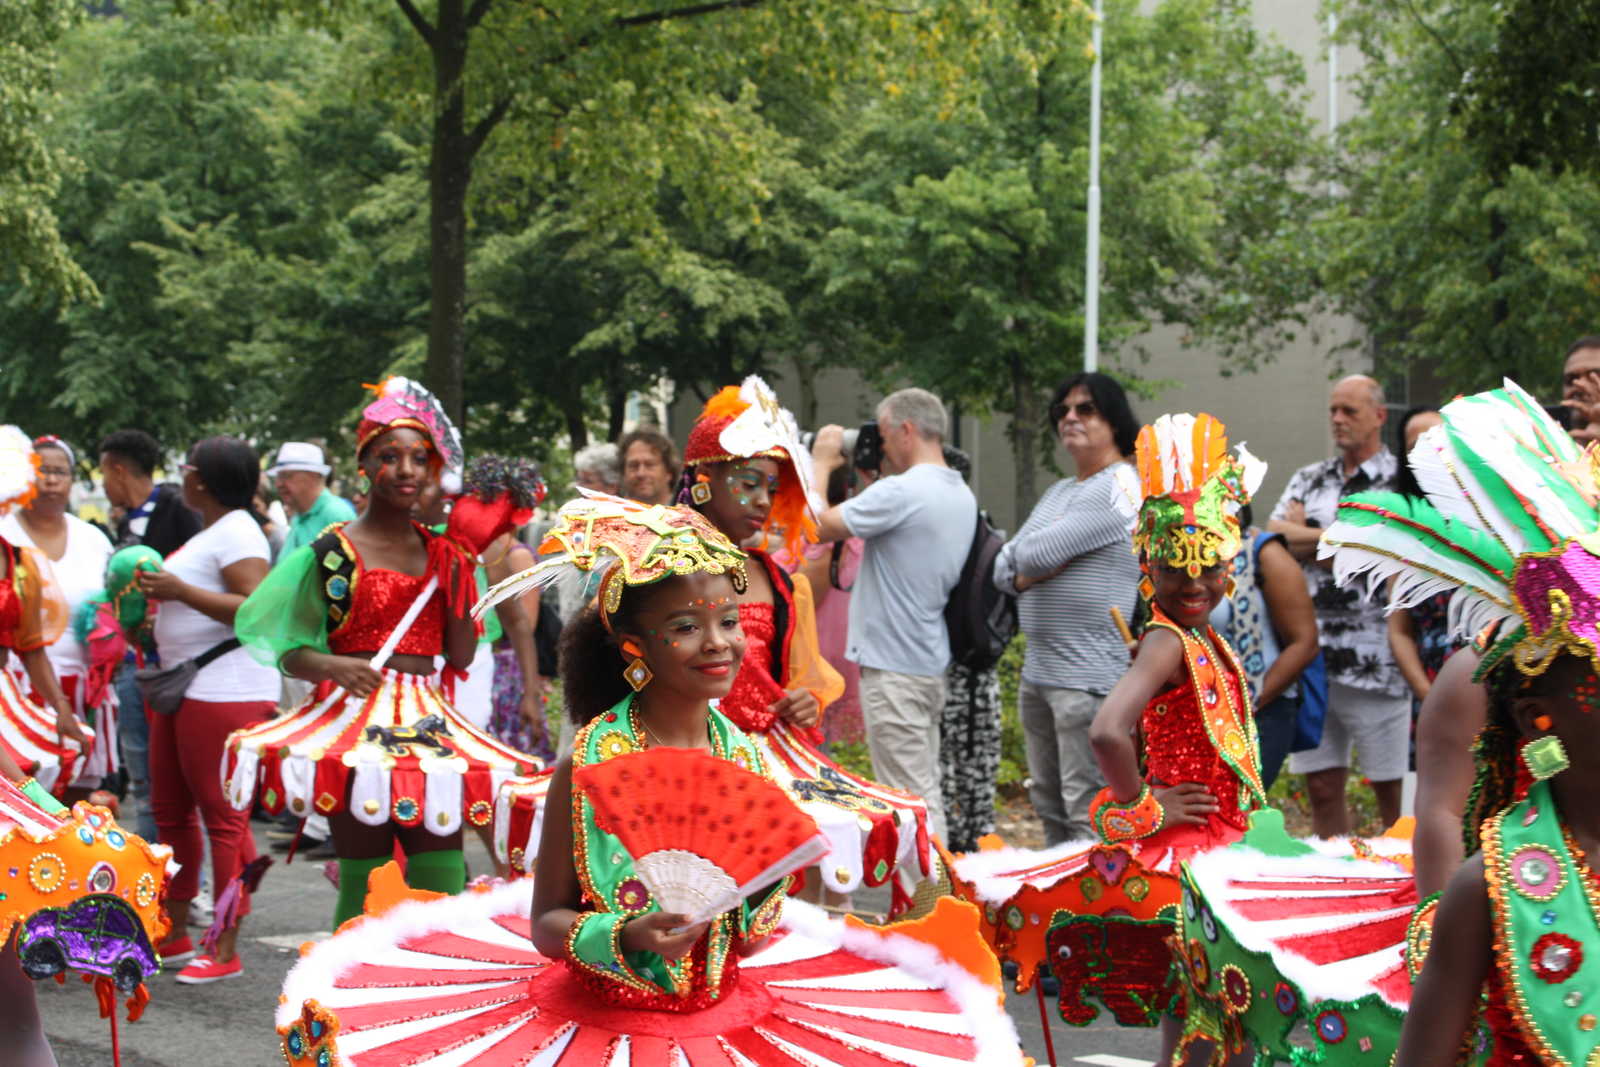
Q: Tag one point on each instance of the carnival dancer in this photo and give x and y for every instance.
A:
(1184, 693)
(377, 748)
(72, 557)
(81, 894)
(1515, 541)
(610, 976)
(746, 471)
(47, 740)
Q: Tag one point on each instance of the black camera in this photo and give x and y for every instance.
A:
(867, 452)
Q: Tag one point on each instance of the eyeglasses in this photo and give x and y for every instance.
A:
(1084, 410)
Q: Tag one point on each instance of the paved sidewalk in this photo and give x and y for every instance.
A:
(230, 1023)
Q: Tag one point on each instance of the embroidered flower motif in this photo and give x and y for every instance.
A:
(1555, 957)
(406, 809)
(1536, 873)
(615, 744)
(480, 812)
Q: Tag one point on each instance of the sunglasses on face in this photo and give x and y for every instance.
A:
(1084, 410)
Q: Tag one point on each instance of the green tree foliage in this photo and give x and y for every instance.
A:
(249, 285)
(959, 237)
(614, 98)
(1467, 234)
(31, 249)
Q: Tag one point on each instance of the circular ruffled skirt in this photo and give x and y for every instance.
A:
(456, 981)
(402, 754)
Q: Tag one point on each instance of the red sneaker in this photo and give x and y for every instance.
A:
(204, 969)
(176, 950)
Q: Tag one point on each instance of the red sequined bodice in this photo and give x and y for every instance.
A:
(1178, 748)
(10, 602)
(378, 598)
(754, 689)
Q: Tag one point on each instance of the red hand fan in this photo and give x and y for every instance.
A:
(704, 833)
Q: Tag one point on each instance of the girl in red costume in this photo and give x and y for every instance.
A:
(746, 471)
(363, 611)
(1193, 784)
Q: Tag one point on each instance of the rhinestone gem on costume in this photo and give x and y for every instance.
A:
(103, 878)
(632, 895)
(480, 812)
(1573, 998)
(1235, 988)
(144, 891)
(1536, 873)
(1586, 1023)
(115, 839)
(1548, 918)
(86, 835)
(1556, 957)
(295, 1042)
(1286, 999)
(1331, 1027)
(406, 808)
(1208, 924)
(44, 873)
(1014, 917)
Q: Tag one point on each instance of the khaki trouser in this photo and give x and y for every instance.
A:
(901, 713)
(1063, 773)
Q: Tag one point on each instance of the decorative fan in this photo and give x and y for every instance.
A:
(704, 833)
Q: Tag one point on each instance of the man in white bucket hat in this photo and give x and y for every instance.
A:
(300, 473)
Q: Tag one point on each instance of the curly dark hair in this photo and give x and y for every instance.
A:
(135, 446)
(590, 664)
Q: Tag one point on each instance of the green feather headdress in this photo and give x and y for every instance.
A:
(1506, 529)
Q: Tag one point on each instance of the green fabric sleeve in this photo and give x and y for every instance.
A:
(288, 610)
(37, 793)
(492, 630)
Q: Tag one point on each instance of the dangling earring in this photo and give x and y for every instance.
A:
(1147, 588)
(366, 483)
(1227, 590)
(637, 673)
(700, 491)
(1545, 757)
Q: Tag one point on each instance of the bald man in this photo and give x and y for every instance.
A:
(1369, 711)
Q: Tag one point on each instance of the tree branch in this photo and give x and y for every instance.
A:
(1449, 52)
(479, 9)
(652, 17)
(418, 23)
(486, 125)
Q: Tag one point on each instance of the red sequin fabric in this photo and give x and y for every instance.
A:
(618, 995)
(377, 601)
(10, 602)
(754, 689)
(1507, 1045)
(1179, 750)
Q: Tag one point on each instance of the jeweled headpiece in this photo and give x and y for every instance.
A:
(1511, 529)
(19, 469)
(745, 422)
(1193, 490)
(403, 402)
(632, 543)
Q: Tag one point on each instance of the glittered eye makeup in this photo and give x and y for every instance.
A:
(744, 482)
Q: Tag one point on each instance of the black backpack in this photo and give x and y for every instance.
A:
(980, 618)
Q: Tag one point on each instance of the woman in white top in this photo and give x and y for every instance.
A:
(77, 553)
(201, 586)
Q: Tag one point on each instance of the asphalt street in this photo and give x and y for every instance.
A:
(230, 1023)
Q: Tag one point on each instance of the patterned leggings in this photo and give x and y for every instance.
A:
(969, 755)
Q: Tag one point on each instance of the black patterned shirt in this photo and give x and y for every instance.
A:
(1352, 631)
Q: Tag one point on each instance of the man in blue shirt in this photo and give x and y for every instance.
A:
(301, 476)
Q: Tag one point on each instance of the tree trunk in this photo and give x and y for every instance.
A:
(805, 367)
(449, 173)
(1024, 433)
(616, 407)
(577, 429)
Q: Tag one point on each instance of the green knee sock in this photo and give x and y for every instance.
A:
(444, 871)
(353, 886)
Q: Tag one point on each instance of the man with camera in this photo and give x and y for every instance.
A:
(916, 522)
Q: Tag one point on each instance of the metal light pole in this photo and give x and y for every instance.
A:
(1091, 266)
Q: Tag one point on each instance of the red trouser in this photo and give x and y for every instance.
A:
(185, 779)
